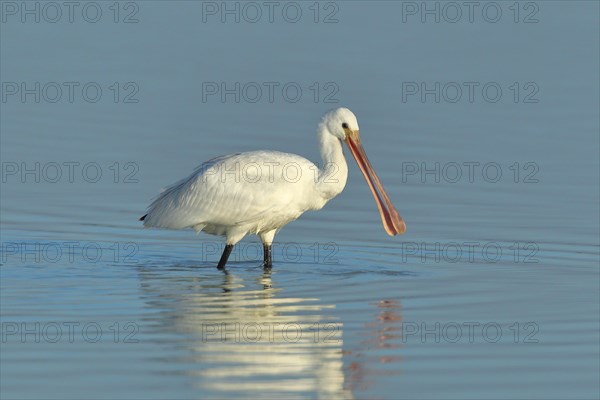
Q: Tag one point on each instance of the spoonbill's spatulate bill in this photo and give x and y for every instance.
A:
(259, 192)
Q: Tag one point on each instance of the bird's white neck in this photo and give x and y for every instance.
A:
(334, 170)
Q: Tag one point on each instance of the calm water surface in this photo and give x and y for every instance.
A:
(492, 293)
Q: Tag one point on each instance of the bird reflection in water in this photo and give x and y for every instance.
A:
(242, 337)
(383, 334)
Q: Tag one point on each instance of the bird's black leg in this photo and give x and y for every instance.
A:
(267, 251)
(225, 256)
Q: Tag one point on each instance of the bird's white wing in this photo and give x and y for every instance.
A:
(236, 189)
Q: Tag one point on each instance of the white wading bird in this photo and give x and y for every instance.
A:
(259, 192)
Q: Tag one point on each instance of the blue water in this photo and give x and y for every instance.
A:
(493, 292)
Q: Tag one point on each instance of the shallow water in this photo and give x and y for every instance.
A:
(493, 292)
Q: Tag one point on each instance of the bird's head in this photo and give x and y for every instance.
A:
(342, 124)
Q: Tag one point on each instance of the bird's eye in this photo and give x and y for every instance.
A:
(345, 125)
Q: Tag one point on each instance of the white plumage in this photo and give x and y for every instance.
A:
(259, 192)
(253, 192)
